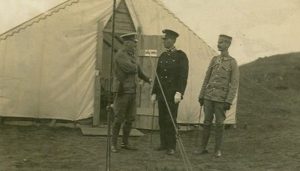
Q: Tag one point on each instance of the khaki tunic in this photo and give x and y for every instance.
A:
(126, 70)
(221, 80)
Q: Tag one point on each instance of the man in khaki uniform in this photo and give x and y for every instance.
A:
(217, 93)
(126, 71)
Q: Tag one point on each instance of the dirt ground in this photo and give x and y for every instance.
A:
(248, 147)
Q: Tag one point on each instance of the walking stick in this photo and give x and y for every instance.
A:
(109, 108)
(108, 145)
(152, 123)
(198, 130)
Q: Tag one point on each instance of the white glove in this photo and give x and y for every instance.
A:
(141, 83)
(177, 97)
(153, 98)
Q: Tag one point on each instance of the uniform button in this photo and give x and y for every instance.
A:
(165, 70)
(166, 76)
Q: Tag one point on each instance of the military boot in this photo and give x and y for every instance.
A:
(219, 139)
(204, 140)
(126, 133)
(115, 134)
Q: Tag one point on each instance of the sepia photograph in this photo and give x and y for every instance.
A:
(149, 85)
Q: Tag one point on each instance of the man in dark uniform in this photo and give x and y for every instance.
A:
(217, 93)
(169, 86)
(126, 70)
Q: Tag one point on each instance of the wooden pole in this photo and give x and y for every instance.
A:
(97, 85)
(109, 109)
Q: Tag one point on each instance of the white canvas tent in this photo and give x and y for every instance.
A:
(49, 64)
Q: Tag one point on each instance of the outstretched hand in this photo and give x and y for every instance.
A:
(201, 101)
(153, 98)
(177, 97)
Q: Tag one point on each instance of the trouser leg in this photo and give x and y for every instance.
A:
(115, 133)
(220, 117)
(126, 132)
(205, 136)
(162, 122)
(219, 137)
(129, 117)
(120, 104)
(208, 118)
(172, 125)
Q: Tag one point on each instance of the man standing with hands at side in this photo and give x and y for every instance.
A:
(169, 86)
(217, 93)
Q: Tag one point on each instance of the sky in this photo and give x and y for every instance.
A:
(14, 12)
(259, 28)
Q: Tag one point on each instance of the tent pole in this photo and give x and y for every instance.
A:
(97, 84)
(109, 108)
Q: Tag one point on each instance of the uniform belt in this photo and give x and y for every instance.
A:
(220, 88)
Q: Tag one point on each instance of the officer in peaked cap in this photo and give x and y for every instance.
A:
(170, 81)
(126, 70)
(224, 36)
(170, 34)
(129, 37)
(218, 90)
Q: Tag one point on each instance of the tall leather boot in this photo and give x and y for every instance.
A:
(115, 133)
(219, 139)
(204, 140)
(126, 133)
(205, 137)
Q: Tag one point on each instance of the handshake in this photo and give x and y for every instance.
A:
(149, 81)
(177, 97)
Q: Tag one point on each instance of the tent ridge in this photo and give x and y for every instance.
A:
(37, 19)
(132, 12)
(164, 7)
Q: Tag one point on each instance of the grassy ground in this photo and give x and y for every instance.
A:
(266, 138)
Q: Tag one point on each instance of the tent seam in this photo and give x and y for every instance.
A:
(37, 19)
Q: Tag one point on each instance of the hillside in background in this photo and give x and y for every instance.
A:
(268, 114)
(270, 84)
(278, 72)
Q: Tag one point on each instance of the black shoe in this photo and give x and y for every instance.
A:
(160, 148)
(113, 149)
(128, 147)
(200, 152)
(170, 151)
